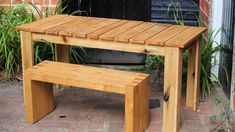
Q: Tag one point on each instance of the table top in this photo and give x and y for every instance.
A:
(117, 30)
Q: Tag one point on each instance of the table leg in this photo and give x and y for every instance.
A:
(27, 55)
(172, 89)
(193, 77)
(38, 98)
(62, 55)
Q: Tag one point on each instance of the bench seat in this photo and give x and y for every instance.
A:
(134, 86)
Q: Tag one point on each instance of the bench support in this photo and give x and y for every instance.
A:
(172, 89)
(193, 77)
(137, 107)
(39, 99)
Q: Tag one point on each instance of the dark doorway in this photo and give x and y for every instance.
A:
(122, 9)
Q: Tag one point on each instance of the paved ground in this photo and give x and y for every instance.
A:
(82, 110)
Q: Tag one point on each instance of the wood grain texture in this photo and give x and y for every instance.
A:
(162, 37)
(87, 77)
(44, 21)
(183, 39)
(132, 110)
(124, 37)
(113, 33)
(27, 55)
(193, 76)
(62, 54)
(143, 36)
(57, 29)
(117, 30)
(39, 99)
(172, 89)
(100, 44)
(135, 87)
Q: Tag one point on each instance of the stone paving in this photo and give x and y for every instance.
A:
(80, 110)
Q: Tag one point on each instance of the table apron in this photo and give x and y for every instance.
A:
(100, 44)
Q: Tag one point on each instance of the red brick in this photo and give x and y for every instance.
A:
(6, 7)
(155, 116)
(5, 2)
(154, 127)
(204, 5)
(46, 2)
(189, 114)
(206, 109)
(17, 1)
(116, 116)
(54, 2)
(39, 2)
(205, 18)
(116, 127)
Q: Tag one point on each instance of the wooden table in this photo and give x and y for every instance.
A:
(165, 40)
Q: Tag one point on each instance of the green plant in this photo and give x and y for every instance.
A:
(10, 54)
(209, 50)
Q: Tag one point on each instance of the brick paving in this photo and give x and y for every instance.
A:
(80, 110)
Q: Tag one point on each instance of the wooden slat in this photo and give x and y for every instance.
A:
(184, 38)
(97, 33)
(74, 29)
(28, 26)
(113, 33)
(42, 28)
(85, 30)
(141, 37)
(124, 37)
(56, 29)
(162, 37)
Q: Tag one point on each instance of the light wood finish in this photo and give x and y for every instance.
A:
(124, 37)
(193, 83)
(134, 32)
(39, 99)
(172, 90)
(144, 105)
(162, 37)
(100, 44)
(142, 37)
(83, 76)
(133, 85)
(117, 31)
(183, 39)
(130, 36)
(40, 107)
(27, 54)
(62, 55)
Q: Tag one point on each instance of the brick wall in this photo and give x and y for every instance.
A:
(205, 11)
(41, 4)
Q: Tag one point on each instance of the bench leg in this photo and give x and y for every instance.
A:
(193, 77)
(144, 103)
(39, 99)
(172, 89)
(132, 110)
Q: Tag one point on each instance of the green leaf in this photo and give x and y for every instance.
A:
(213, 119)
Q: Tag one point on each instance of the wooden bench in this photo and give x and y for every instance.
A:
(39, 91)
